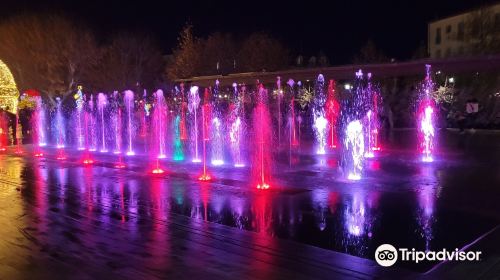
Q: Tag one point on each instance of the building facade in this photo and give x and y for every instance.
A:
(453, 36)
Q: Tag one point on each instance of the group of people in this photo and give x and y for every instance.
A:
(467, 119)
(9, 124)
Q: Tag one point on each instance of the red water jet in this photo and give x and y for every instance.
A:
(332, 108)
(262, 156)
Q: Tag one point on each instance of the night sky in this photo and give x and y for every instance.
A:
(339, 28)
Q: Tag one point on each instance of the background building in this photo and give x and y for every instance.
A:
(473, 32)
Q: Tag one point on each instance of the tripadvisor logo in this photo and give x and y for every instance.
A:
(388, 255)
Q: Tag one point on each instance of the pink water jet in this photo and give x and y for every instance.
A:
(79, 116)
(59, 125)
(101, 105)
(426, 118)
(332, 114)
(194, 101)
(4, 130)
(159, 125)
(205, 117)
(129, 103)
(261, 152)
(354, 143)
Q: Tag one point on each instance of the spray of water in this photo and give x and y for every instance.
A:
(194, 102)
(159, 124)
(236, 128)
(205, 116)
(178, 151)
(101, 105)
(320, 122)
(354, 144)
(353, 148)
(59, 126)
(80, 102)
(129, 103)
(261, 152)
(426, 119)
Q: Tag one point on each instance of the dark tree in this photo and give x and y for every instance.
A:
(218, 54)
(128, 62)
(46, 52)
(262, 52)
(186, 61)
(369, 53)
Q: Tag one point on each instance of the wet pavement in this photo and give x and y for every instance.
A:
(64, 219)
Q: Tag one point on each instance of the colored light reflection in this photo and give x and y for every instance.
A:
(120, 165)
(217, 162)
(205, 177)
(157, 171)
(263, 186)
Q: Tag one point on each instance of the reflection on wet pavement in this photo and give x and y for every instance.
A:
(70, 213)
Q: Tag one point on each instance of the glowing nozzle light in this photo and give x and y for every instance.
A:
(263, 186)
(205, 177)
(119, 165)
(158, 171)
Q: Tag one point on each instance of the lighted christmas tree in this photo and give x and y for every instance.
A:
(8, 89)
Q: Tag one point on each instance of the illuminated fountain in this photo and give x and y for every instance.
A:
(332, 108)
(59, 126)
(92, 128)
(217, 122)
(217, 143)
(353, 139)
(261, 152)
(4, 132)
(117, 129)
(205, 120)
(320, 122)
(371, 119)
(279, 97)
(18, 136)
(194, 102)
(129, 103)
(144, 112)
(426, 118)
(182, 122)
(159, 124)
(158, 131)
(178, 151)
(79, 116)
(236, 128)
(117, 123)
(292, 118)
(354, 144)
(38, 123)
(101, 105)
